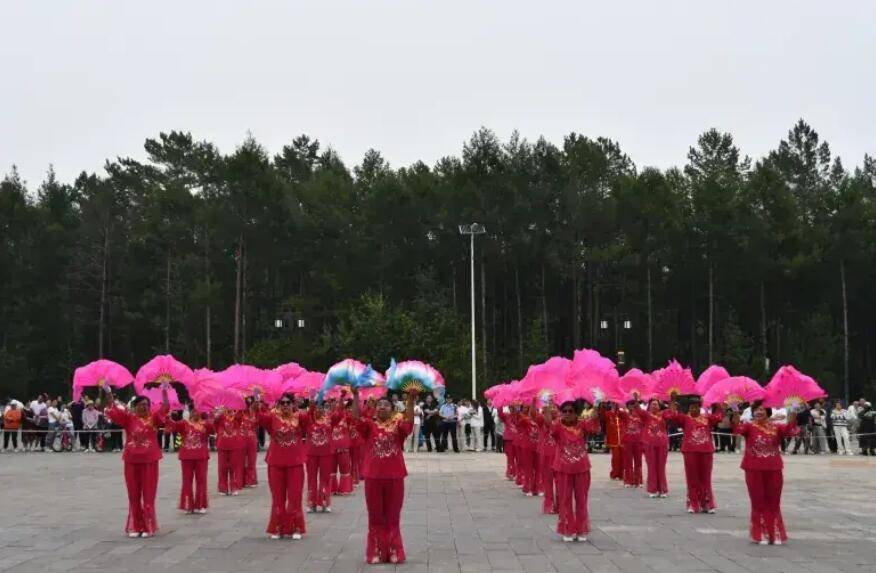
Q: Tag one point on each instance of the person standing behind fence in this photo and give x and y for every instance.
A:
(477, 426)
(867, 429)
(840, 418)
(489, 415)
(819, 424)
(448, 425)
(90, 419)
(11, 424)
(431, 423)
(413, 443)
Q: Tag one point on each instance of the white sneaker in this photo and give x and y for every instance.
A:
(777, 542)
(235, 493)
(328, 510)
(311, 509)
(374, 560)
(145, 535)
(296, 536)
(275, 536)
(568, 539)
(202, 511)
(133, 534)
(690, 510)
(711, 512)
(663, 495)
(652, 495)
(763, 542)
(581, 538)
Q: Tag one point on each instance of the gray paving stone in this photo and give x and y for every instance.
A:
(65, 512)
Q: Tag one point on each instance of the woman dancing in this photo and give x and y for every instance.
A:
(384, 472)
(194, 456)
(285, 459)
(655, 441)
(698, 450)
(572, 469)
(762, 462)
(141, 457)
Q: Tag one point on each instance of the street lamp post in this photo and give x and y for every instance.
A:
(472, 230)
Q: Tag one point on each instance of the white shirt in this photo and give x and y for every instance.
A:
(746, 415)
(779, 415)
(418, 415)
(477, 417)
(463, 413)
(54, 415)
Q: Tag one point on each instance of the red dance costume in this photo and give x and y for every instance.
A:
(231, 446)
(614, 432)
(384, 472)
(762, 462)
(547, 449)
(572, 472)
(355, 453)
(342, 478)
(141, 457)
(655, 441)
(698, 449)
(320, 462)
(194, 456)
(285, 460)
(633, 449)
(249, 428)
(528, 438)
(509, 442)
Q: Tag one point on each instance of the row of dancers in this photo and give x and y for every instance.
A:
(546, 454)
(338, 444)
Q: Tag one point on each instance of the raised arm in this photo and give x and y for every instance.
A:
(356, 412)
(409, 406)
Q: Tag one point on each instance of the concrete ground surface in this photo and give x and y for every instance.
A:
(65, 512)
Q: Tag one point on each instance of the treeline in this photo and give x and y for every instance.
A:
(246, 257)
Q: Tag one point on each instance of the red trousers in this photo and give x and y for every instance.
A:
(231, 470)
(287, 487)
(510, 461)
(384, 499)
(617, 463)
(573, 490)
(355, 456)
(527, 470)
(548, 483)
(655, 457)
(633, 463)
(319, 480)
(142, 483)
(194, 485)
(765, 493)
(250, 458)
(698, 474)
(519, 461)
(342, 479)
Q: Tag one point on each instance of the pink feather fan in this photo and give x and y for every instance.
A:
(163, 368)
(734, 391)
(98, 374)
(709, 377)
(790, 388)
(673, 380)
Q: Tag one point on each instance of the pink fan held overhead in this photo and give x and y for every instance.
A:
(790, 388)
(709, 377)
(98, 374)
(163, 368)
(734, 391)
(635, 385)
(673, 380)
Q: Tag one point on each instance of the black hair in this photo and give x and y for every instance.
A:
(757, 404)
(631, 403)
(139, 398)
(571, 403)
(659, 403)
(287, 396)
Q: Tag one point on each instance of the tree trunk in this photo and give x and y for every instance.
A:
(209, 324)
(693, 325)
(711, 311)
(243, 310)
(763, 329)
(484, 318)
(544, 311)
(576, 312)
(453, 286)
(650, 322)
(845, 332)
(596, 320)
(519, 321)
(239, 260)
(101, 325)
(167, 307)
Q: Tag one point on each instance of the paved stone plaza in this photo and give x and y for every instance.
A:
(63, 512)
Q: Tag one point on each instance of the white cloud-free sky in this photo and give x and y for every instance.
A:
(85, 81)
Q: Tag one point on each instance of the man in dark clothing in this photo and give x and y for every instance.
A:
(76, 409)
(489, 425)
(804, 422)
(867, 426)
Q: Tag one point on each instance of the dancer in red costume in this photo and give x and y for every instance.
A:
(287, 426)
(698, 450)
(355, 450)
(230, 446)
(528, 438)
(509, 443)
(249, 428)
(384, 472)
(614, 432)
(342, 478)
(194, 457)
(655, 441)
(632, 442)
(572, 469)
(547, 449)
(320, 459)
(141, 457)
(762, 462)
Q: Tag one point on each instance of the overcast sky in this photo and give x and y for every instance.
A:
(85, 81)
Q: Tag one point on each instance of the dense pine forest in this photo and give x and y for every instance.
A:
(244, 256)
